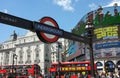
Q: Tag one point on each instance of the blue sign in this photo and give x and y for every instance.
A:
(107, 45)
(48, 29)
(72, 49)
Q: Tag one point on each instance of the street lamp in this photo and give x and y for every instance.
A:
(89, 28)
(14, 57)
(59, 46)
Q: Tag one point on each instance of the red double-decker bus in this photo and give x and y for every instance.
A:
(21, 71)
(71, 69)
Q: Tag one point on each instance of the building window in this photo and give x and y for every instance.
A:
(37, 46)
(7, 58)
(34, 38)
(29, 55)
(37, 54)
(21, 56)
(53, 61)
(24, 40)
(19, 41)
(3, 46)
(46, 55)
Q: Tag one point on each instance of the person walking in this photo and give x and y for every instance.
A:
(30, 76)
(119, 74)
(97, 75)
(110, 75)
(103, 75)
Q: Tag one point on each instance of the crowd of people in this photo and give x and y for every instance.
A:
(107, 75)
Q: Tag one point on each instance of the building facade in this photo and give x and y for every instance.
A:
(28, 49)
(106, 38)
(60, 50)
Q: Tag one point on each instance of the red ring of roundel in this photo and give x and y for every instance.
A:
(46, 39)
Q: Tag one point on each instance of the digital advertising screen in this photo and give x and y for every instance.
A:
(76, 49)
(106, 37)
(109, 32)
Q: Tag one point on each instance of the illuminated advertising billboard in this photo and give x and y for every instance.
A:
(106, 22)
(107, 45)
(109, 32)
(76, 49)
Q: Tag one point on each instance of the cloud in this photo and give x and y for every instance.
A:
(5, 11)
(113, 2)
(66, 4)
(93, 6)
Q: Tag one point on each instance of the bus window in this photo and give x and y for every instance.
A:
(72, 69)
(22, 70)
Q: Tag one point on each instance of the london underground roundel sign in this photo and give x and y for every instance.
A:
(45, 37)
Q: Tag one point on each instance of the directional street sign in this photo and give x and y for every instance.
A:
(59, 32)
(41, 27)
(15, 21)
(75, 37)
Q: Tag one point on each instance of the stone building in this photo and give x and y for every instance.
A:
(30, 50)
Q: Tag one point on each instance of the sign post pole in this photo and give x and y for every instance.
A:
(90, 28)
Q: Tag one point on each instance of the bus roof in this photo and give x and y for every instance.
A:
(83, 62)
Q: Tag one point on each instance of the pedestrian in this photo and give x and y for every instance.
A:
(115, 75)
(119, 74)
(0, 75)
(30, 76)
(10, 75)
(97, 75)
(110, 75)
(103, 75)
